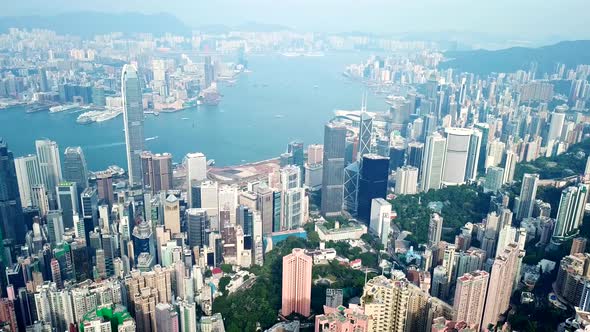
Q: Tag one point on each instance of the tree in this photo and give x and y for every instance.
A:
(223, 282)
(227, 268)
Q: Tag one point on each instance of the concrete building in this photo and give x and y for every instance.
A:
(27, 175)
(172, 214)
(196, 164)
(386, 302)
(49, 167)
(570, 213)
(341, 319)
(462, 155)
(501, 284)
(380, 221)
(528, 192)
(133, 122)
(435, 229)
(406, 180)
(296, 283)
(470, 295)
(433, 162)
(75, 168)
(333, 171)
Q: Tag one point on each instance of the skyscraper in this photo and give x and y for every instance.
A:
(351, 183)
(380, 222)
(11, 212)
(156, 171)
(528, 192)
(315, 154)
(67, 202)
(494, 179)
(470, 295)
(333, 176)
(435, 229)
(501, 284)
(28, 175)
(74, 168)
(433, 162)
(196, 164)
(133, 122)
(462, 153)
(365, 134)
(570, 212)
(406, 180)
(386, 301)
(197, 223)
(296, 283)
(555, 127)
(296, 150)
(49, 167)
(104, 184)
(372, 183)
(510, 161)
(172, 214)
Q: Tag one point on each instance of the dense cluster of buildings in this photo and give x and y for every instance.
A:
(99, 251)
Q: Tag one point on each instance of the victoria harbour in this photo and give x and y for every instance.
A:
(281, 99)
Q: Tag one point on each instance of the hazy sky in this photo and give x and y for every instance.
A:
(519, 19)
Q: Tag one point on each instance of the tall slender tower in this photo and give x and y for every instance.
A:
(570, 213)
(11, 212)
(296, 283)
(528, 192)
(133, 122)
(333, 175)
(27, 174)
(433, 162)
(470, 296)
(49, 166)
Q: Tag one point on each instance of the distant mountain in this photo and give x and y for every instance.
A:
(87, 24)
(571, 53)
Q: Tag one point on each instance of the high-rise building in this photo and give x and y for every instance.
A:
(462, 153)
(89, 210)
(197, 222)
(570, 212)
(133, 122)
(501, 283)
(55, 227)
(196, 165)
(494, 179)
(470, 295)
(333, 176)
(415, 152)
(104, 184)
(386, 302)
(49, 166)
(11, 212)
(157, 171)
(166, 318)
(28, 175)
(188, 316)
(380, 221)
(406, 180)
(373, 177)
(351, 183)
(295, 148)
(67, 202)
(578, 245)
(39, 198)
(555, 126)
(264, 205)
(210, 202)
(435, 229)
(172, 214)
(74, 167)
(528, 192)
(296, 283)
(433, 162)
(510, 160)
(334, 297)
(365, 134)
(315, 154)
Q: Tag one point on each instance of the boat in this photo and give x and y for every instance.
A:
(314, 54)
(61, 108)
(185, 119)
(210, 162)
(105, 116)
(151, 138)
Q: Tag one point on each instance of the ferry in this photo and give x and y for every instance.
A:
(210, 162)
(105, 116)
(61, 108)
(151, 138)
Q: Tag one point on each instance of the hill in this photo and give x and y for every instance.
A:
(571, 53)
(88, 24)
